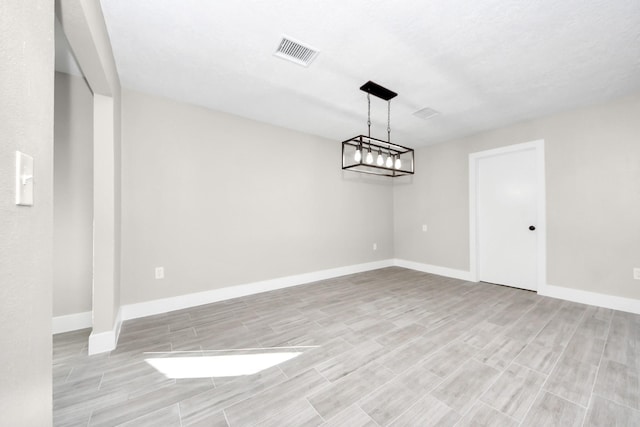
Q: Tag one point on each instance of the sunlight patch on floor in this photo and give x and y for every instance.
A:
(230, 365)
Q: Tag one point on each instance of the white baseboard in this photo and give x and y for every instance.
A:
(591, 298)
(433, 269)
(164, 305)
(102, 342)
(629, 305)
(71, 322)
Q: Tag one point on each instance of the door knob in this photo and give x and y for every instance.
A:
(531, 227)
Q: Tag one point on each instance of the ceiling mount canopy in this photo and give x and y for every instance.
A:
(377, 90)
(390, 159)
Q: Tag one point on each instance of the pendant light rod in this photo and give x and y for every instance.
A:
(369, 114)
(389, 121)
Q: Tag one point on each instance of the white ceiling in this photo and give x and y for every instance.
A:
(482, 64)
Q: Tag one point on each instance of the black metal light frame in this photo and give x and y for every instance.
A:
(366, 143)
(377, 146)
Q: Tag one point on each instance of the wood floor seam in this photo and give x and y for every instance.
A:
(599, 362)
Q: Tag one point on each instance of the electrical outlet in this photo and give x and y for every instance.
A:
(375, 246)
(159, 272)
(636, 273)
(424, 227)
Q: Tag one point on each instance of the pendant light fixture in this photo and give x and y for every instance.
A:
(353, 157)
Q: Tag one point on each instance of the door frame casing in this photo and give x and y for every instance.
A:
(541, 227)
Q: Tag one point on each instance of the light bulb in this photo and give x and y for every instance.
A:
(398, 163)
(389, 161)
(369, 157)
(380, 160)
(358, 155)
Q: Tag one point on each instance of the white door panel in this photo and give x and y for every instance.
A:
(506, 208)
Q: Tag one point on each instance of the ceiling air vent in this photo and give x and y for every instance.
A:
(426, 113)
(294, 51)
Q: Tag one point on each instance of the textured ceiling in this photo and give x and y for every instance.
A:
(482, 64)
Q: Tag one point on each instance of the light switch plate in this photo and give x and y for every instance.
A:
(24, 179)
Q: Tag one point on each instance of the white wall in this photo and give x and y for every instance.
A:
(593, 198)
(219, 200)
(73, 196)
(26, 233)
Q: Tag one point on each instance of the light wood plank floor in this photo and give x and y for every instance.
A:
(388, 347)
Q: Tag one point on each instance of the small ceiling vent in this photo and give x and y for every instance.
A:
(294, 51)
(426, 113)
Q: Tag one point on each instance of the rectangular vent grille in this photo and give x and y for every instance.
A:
(294, 51)
(426, 113)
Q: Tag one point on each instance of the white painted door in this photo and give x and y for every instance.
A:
(507, 210)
